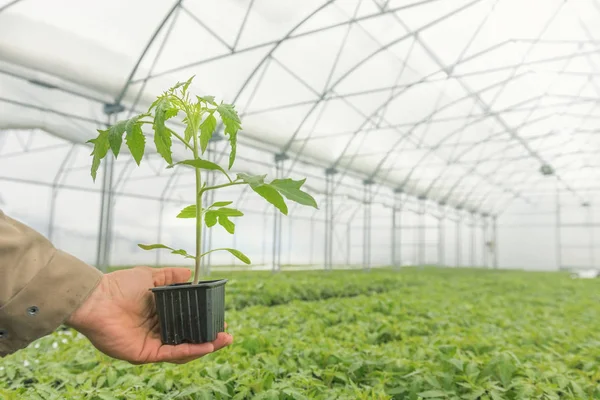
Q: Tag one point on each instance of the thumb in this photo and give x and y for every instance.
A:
(167, 276)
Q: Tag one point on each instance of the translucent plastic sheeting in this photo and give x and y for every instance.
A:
(459, 101)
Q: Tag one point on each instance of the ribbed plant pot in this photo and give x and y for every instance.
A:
(190, 313)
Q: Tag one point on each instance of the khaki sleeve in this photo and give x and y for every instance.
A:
(40, 286)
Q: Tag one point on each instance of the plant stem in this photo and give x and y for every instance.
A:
(199, 215)
(184, 142)
(206, 189)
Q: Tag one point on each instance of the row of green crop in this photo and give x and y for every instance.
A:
(438, 335)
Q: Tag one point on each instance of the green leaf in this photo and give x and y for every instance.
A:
(115, 136)
(210, 218)
(111, 376)
(162, 135)
(187, 84)
(136, 142)
(207, 127)
(291, 190)
(266, 191)
(238, 254)
(226, 223)
(203, 164)
(189, 131)
(207, 99)
(232, 123)
(180, 252)
(221, 204)
(188, 212)
(432, 394)
(229, 212)
(100, 150)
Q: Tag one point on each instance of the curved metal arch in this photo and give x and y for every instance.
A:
(277, 44)
(473, 168)
(141, 57)
(7, 6)
(418, 123)
(465, 199)
(432, 150)
(533, 183)
(471, 148)
(366, 59)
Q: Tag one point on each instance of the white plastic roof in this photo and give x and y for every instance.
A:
(460, 101)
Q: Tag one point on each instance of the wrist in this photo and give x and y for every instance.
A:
(82, 316)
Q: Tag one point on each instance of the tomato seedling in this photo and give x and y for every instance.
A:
(200, 123)
(197, 116)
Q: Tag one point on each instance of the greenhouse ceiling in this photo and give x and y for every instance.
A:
(464, 103)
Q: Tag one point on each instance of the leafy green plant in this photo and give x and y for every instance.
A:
(200, 123)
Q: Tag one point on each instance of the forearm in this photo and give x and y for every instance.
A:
(40, 286)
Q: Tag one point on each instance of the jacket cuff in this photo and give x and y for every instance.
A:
(55, 292)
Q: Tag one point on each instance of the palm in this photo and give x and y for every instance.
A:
(122, 322)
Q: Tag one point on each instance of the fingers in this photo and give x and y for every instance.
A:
(167, 276)
(184, 353)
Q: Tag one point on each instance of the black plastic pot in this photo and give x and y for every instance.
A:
(191, 313)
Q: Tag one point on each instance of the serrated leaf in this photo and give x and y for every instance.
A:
(100, 150)
(162, 135)
(232, 123)
(135, 139)
(188, 212)
(115, 136)
(207, 128)
(203, 164)
(189, 132)
(496, 396)
(226, 223)
(162, 246)
(210, 219)
(207, 99)
(291, 190)
(187, 84)
(269, 193)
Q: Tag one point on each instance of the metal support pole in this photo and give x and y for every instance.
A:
(290, 228)
(393, 234)
(495, 240)
(105, 226)
(558, 224)
(400, 253)
(396, 216)
(328, 257)
(276, 258)
(485, 241)
(441, 236)
(264, 242)
(472, 239)
(458, 239)
(348, 244)
(590, 225)
(311, 251)
(421, 231)
(367, 224)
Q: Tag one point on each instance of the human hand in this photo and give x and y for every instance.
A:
(120, 319)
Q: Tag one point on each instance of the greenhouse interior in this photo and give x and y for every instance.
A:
(449, 218)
